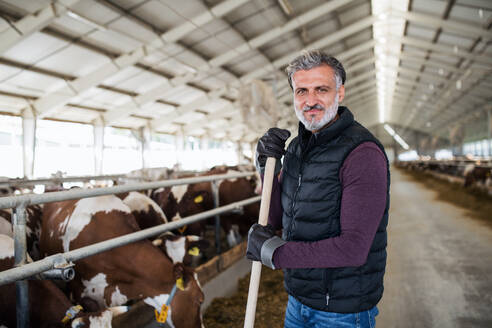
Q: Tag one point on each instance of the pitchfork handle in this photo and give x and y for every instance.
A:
(254, 282)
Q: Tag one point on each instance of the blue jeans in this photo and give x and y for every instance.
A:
(299, 315)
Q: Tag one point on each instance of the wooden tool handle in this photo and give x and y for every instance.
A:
(254, 282)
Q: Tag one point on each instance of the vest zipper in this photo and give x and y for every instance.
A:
(292, 205)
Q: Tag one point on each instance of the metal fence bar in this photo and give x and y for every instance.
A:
(20, 258)
(31, 199)
(30, 269)
(33, 182)
(215, 193)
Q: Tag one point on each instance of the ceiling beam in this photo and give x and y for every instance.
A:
(322, 43)
(32, 23)
(463, 29)
(52, 101)
(155, 93)
(445, 49)
(354, 28)
(274, 33)
(188, 108)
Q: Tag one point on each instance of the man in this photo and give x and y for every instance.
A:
(331, 202)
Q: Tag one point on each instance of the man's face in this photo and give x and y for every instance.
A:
(315, 96)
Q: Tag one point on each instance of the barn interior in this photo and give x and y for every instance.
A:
(95, 93)
(151, 81)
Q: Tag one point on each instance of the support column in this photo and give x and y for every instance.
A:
(98, 126)
(145, 136)
(240, 155)
(179, 146)
(29, 123)
(204, 140)
(489, 141)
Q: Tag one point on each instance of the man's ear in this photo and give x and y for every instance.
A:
(341, 93)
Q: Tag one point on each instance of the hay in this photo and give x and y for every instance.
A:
(270, 310)
(475, 201)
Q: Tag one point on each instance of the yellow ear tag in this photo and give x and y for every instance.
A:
(71, 313)
(161, 317)
(195, 251)
(198, 199)
(180, 284)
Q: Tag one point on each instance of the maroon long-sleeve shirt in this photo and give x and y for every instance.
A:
(363, 178)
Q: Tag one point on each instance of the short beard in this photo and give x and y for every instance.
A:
(329, 114)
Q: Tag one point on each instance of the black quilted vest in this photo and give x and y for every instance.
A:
(311, 199)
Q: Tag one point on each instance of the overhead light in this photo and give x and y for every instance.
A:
(388, 27)
(395, 136)
(458, 85)
(389, 129)
(455, 49)
(480, 13)
(85, 20)
(401, 142)
(441, 71)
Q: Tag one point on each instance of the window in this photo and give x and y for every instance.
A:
(162, 152)
(122, 151)
(63, 147)
(11, 146)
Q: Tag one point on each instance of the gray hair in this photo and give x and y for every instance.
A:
(314, 58)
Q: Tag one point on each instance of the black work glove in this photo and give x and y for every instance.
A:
(271, 144)
(262, 243)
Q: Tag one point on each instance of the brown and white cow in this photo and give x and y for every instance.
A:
(47, 303)
(181, 249)
(139, 271)
(147, 212)
(33, 227)
(477, 175)
(183, 201)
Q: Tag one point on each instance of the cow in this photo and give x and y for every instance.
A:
(147, 212)
(477, 174)
(5, 224)
(49, 307)
(33, 227)
(181, 249)
(136, 272)
(183, 201)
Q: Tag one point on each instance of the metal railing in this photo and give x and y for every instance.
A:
(23, 270)
(17, 183)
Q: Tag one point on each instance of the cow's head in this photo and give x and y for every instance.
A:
(184, 308)
(166, 201)
(197, 198)
(181, 249)
(146, 211)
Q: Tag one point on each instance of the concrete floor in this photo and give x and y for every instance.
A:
(439, 271)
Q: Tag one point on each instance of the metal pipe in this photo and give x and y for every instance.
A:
(33, 182)
(64, 274)
(31, 199)
(20, 258)
(215, 193)
(31, 269)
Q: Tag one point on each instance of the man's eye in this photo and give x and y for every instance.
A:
(301, 92)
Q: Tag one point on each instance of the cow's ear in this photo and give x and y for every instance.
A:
(201, 244)
(168, 235)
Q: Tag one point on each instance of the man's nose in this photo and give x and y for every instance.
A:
(311, 99)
